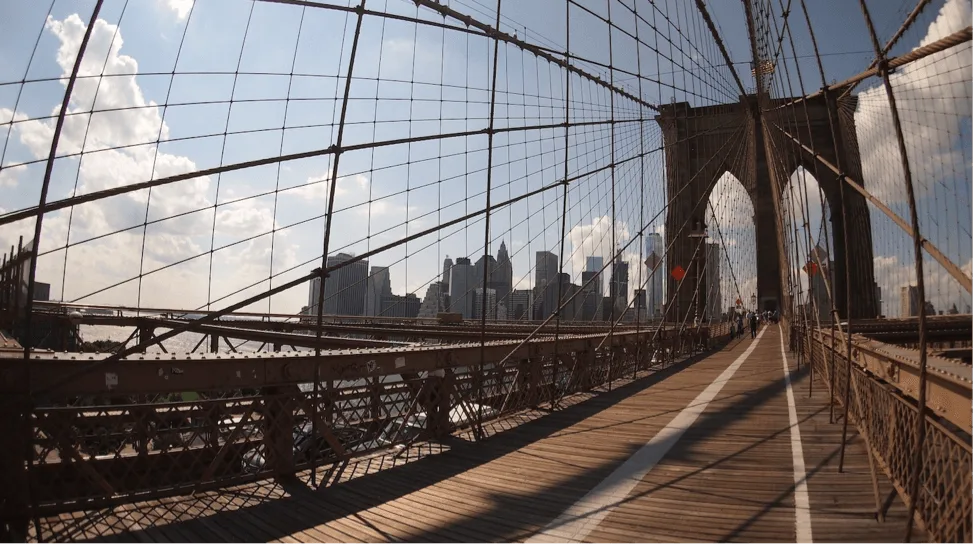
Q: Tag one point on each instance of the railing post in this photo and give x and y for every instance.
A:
(279, 404)
(14, 495)
(435, 401)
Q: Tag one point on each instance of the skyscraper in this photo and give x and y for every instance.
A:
(545, 275)
(909, 301)
(462, 281)
(447, 264)
(344, 290)
(521, 305)
(503, 280)
(378, 286)
(591, 295)
(654, 249)
(594, 266)
(714, 296)
(818, 281)
(491, 304)
(618, 284)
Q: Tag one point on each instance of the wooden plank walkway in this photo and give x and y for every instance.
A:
(598, 470)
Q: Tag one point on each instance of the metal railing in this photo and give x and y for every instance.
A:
(152, 426)
(885, 416)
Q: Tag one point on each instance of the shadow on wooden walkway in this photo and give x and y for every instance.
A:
(728, 474)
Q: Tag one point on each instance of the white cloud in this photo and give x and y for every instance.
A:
(180, 7)
(318, 188)
(118, 257)
(893, 272)
(932, 95)
(9, 176)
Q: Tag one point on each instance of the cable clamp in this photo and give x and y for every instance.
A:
(883, 66)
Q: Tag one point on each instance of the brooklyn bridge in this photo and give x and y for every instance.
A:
(465, 270)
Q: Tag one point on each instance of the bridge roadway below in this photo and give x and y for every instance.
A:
(705, 450)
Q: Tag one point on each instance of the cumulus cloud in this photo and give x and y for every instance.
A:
(893, 272)
(136, 123)
(318, 188)
(9, 176)
(180, 7)
(594, 239)
(932, 95)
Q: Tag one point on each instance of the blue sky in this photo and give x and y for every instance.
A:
(283, 66)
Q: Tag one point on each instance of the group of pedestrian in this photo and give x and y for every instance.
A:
(752, 320)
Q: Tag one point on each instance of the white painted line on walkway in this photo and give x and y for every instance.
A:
(583, 516)
(802, 503)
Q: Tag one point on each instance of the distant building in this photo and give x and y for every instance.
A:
(42, 291)
(878, 300)
(640, 301)
(570, 299)
(714, 296)
(909, 301)
(618, 285)
(819, 277)
(377, 287)
(344, 290)
(435, 301)
(406, 307)
(521, 305)
(607, 308)
(591, 295)
(462, 281)
(595, 264)
(503, 279)
(545, 276)
(654, 251)
(447, 264)
(491, 304)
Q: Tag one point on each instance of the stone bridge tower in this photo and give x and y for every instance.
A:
(704, 142)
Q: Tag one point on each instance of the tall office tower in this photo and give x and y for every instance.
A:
(378, 286)
(590, 295)
(462, 281)
(313, 288)
(818, 281)
(503, 280)
(491, 304)
(618, 284)
(344, 289)
(714, 295)
(594, 265)
(545, 275)
(909, 301)
(654, 250)
(521, 305)
(447, 264)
